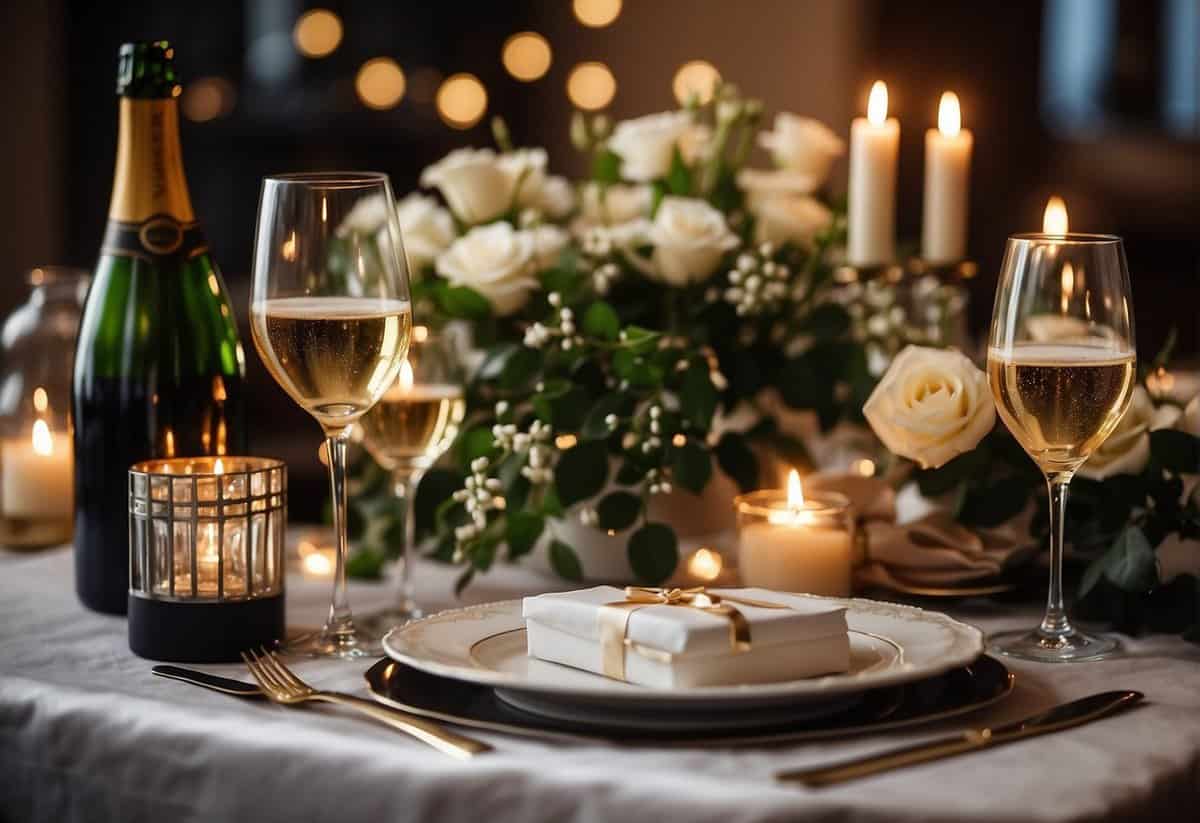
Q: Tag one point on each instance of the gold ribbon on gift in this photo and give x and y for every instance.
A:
(614, 619)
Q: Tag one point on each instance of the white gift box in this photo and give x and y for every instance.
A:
(668, 646)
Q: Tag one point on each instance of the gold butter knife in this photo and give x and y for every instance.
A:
(1066, 716)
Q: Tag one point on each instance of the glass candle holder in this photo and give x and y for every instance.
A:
(206, 564)
(802, 546)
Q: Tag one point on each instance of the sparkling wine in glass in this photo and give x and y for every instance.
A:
(411, 426)
(331, 319)
(1061, 366)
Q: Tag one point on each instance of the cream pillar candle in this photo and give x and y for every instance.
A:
(947, 169)
(37, 475)
(795, 546)
(874, 147)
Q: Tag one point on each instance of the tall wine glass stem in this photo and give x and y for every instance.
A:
(1055, 622)
(404, 483)
(340, 620)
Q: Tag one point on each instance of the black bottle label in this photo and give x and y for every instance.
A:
(158, 239)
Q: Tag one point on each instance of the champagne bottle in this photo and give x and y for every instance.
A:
(159, 368)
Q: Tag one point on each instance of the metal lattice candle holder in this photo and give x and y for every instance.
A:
(206, 565)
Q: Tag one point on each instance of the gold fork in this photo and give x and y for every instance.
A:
(282, 686)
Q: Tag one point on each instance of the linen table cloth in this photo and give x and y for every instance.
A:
(88, 734)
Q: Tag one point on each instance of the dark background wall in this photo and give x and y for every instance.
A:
(1088, 99)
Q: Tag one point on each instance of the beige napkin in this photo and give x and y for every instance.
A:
(936, 551)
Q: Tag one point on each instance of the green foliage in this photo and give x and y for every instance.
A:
(461, 302)
(618, 510)
(522, 531)
(606, 167)
(738, 461)
(653, 553)
(565, 562)
(692, 465)
(581, 472)
(601, 321)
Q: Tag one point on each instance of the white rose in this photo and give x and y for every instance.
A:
(426, 229)
(760, 183)
(480, 185)
(495, 260)
(690, 237)
(367, 216)
(548, 242)
(795, 218)
(645, 144)
(1127, 449)
(803, 145)
(612, 205)
(551, 197)
(931, 405)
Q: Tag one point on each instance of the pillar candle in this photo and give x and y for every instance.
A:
(874, 147)
(947, 167)
(37, 475)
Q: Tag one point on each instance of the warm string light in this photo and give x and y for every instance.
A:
(380, 83)
(706, 565)
(877, 104)
(596, 13)
(317, 33)
(461, 101)
(696, 78)
(526, 56)
(591, 86)
(949, 115)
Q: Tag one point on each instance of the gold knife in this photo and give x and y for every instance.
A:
(1066, 716)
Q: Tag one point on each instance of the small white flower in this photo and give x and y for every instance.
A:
(554, 299)
(479, 465)
(610, 420)
(501, 408)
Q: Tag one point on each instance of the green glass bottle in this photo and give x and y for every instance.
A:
(159, 368)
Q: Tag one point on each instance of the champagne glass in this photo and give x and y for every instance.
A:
(331, 319)
(406, 432)
(1062, 366)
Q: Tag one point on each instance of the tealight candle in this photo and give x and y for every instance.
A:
(947, 167)
(794, 544)
(37, 474)
(874, 148)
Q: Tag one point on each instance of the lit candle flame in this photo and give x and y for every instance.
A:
(1068, 285)
(795, 492)
(1054, 219)
(877, 104)
(40, 399)
(949, 114)
(43, 443)
(406, 377)
(219, 467)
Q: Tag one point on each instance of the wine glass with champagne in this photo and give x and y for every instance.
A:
(1062, 367)
(331, 318)
(406, 432)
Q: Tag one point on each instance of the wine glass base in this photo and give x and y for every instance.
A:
(347, 643)
(381, 622)
(1072, 646)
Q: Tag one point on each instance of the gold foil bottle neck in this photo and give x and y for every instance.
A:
(149, 178)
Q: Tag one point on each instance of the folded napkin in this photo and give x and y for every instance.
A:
(681, 645)
(935, 550)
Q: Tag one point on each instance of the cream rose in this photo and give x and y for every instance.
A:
(689, 238)
(803, 145)
(366, 216)
(645, 144)
(495, 260)
(613, 204)
(931, 405)
(426, 229)
(795, 218)
(551, 197)
(480, 185)
(1127, 449)
(548, 243)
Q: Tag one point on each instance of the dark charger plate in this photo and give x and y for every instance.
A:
(957, 692)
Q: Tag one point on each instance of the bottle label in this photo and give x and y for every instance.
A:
(158, 238)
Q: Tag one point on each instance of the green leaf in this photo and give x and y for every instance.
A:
(564, 410)
(522, 530)
(618, 510)
(495, 359)
(366, 564)
(551, 505)
(1130, 564)
(565, 562)
(464, 302)
(800, 385)
(1176, 451)
(995, 503)
(828, 320)
(641, 373)
(698, 396)
(653, 553)
(581, 472)
(463, 581)
(691, 466)
(736, 459)
(594, 425)
(600, 320)
(679, 176)
(935, 482)
(631, 472)
(437, 485)
(477, 442)
(606, 166)
(520, 368)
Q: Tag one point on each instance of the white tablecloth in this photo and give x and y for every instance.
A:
(86, 733)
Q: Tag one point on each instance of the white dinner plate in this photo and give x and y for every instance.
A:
(890, 644)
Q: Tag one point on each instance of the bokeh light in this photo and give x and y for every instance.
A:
(380, 83)
(696, 77)
(591, 86)
(597, 13)
(461, 101)
(207, 98)
(318, 33)
(526, 56)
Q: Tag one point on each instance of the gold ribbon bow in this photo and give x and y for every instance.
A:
(614, 620)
